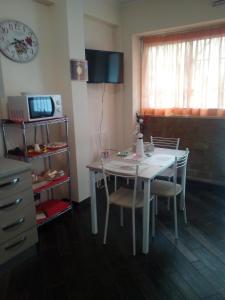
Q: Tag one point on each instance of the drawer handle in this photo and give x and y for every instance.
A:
(22, 240)
(17, 223)
(11, 182)
(16, 202)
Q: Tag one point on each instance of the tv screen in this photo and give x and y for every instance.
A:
(104, 66)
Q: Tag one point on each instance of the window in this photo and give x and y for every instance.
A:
(184, 74)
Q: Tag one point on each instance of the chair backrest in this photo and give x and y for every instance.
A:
(129, 170)
(163, 142)
(180, 164)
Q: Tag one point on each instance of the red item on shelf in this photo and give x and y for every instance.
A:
(51, 208)
(51, 183)
(35, 153)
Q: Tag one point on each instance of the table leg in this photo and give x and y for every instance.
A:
(94, 221)
(183, 184)
(145, 242)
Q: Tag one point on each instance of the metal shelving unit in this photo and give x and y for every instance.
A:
(24, 127)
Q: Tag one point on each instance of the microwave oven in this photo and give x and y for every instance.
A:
(29, 108)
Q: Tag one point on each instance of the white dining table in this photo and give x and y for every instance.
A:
(160, 159)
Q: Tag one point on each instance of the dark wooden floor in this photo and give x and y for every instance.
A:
(73, 264)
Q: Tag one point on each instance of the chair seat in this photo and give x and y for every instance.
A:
(168, 173)
(123, 197)
(165, 188)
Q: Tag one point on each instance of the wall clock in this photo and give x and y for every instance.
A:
(18, 42)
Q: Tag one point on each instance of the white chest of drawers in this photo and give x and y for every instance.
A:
(18, 229)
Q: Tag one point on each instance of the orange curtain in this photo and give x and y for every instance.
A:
(184, 74)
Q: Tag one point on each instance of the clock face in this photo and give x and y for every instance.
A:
(18, 41)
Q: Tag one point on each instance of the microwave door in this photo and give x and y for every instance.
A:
(41, 107)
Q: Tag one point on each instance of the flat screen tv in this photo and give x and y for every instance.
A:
(104, 66)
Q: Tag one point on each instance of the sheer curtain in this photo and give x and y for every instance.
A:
(184, 74)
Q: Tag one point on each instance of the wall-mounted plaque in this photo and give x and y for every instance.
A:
(79, 70)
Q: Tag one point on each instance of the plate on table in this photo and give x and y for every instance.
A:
(161, 159)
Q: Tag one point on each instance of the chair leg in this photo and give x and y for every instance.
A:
(133, 231)
(153, 217)
(175, 216)
(115, 183)
(106, 224)
(121, 216)
(182, 202)
(168, 199)
(185, 213)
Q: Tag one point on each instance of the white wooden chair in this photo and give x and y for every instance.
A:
(123, 197)
(169, 143)
(163, 188)
(164, 142)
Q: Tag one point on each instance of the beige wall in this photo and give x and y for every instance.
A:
(78, 103)
(103, 32)
(61, 44)
(60, 30)
(150, 16)
(105, 10)
(106, 39)
(36, 76)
